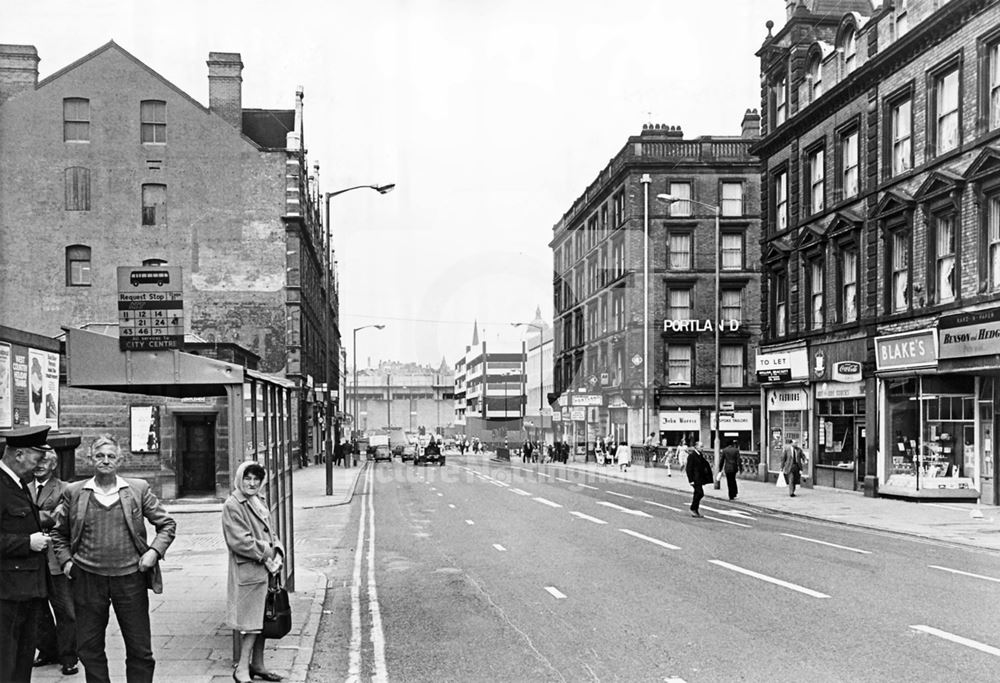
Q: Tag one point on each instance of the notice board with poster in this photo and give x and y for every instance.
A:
(29, 386)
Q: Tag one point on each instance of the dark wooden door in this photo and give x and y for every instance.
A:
(196, 437)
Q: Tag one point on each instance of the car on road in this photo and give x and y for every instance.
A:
(382, 452)
(429, 454)
(409, 452)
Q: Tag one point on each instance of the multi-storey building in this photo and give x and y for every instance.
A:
(107, 164)
(404, 396)
(490, 391)
(538, 378)
(881, 244)
(608, 352)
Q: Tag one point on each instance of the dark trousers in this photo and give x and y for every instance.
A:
(17, 642)
(56, 640)
(699, 493)
(92, 596)
(731, 483)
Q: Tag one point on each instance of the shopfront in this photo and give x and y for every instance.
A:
(932, 427)
(738, 426)
(839, 392)
(680, 427)
(783, 374)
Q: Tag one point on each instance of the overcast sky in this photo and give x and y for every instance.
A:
(490, 116)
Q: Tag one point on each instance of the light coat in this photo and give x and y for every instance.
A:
(624, 454)
(250, 537)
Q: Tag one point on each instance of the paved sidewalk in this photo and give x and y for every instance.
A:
(960, 523)
(190, 641)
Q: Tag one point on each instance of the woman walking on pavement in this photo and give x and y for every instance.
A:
(624, 456)
(255, 553)
(699, 473)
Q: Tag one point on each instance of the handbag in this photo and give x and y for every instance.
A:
(277, 610)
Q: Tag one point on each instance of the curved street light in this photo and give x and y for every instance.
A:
(670, 199)
(328, 262)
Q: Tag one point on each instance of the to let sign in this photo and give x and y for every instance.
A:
(907, 350)
(150, 308)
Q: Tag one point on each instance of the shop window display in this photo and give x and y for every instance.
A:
(839, 420)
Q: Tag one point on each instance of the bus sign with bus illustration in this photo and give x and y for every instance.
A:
(150, 307)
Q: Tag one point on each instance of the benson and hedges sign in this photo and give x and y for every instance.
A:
(970, 334)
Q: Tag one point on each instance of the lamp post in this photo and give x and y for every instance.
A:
(355, 351)
(645, 180)
(328, 304)
(541, 371)
(670, 199)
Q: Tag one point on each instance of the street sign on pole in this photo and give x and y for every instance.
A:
(150, 308)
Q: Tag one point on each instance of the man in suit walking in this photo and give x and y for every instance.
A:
(56, 640)
(100, 543)
(729, 463)
(22, 552)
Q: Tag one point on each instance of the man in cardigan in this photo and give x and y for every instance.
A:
(22, 552)
(100, 543)
(56, 640)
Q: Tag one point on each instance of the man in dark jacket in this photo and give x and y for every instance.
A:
(729, 463)
(699, 473)
(22, 552)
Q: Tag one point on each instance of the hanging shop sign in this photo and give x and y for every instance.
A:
(741, 421)
(969, 334)
(680, 421)
(150, 308)
(846, 371)
(586, 400)
(29, 387)
(787, 399)
(906, 350)
(839, 389)
(617, 402)
(556, 416)
(782, 366)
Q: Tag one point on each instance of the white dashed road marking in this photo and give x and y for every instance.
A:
(728, 521)
(956, 571)
(976, 645)
(499, 547)
(587, 486)
(627, 511)
(555, 593)
(543, 501)
(661, 505)
(521, 492)
(770, 579)
(451, 506)
(662, 544)
(613, 493)
(832, 545)
(587, 517)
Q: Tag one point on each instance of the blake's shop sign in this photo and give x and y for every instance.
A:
(906, 350)
(970, 334)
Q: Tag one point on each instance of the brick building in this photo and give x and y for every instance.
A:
(107, 164)
(600, 368)
(881, 243)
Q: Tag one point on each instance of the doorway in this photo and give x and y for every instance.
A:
(861, 451)
(196, 455)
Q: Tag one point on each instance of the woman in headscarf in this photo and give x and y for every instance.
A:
(255, 552)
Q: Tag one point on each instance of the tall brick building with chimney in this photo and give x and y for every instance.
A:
(106, 164)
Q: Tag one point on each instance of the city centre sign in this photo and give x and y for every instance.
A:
(690, 325)
(150, 308)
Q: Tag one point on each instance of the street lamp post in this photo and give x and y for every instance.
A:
(670, 199)
(645, 180)
(541, 370)
(328, 304)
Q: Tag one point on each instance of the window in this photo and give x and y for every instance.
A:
(76, 119)
(781, 200)
(850, 51)
(618, 202)
(731, 365)
(780, 101)
(816, 294)
(902, 18)
(780, 282)
(679, 304)
(679, 365)
(814, 167)
(604, 220)
(901, 125)
(732, 199)
(77, 188)
(154, 204)
(732, 251)
(618, 258)
(731, 304)
(682, 191)
(618, 309)
(153, 117)
(993, 239)
(944, 258)
(679, 251)
(848, 284)
(849, 164)
(78, 266)
(816, 77)
(991, 98)
(945, 115)
(899, 258)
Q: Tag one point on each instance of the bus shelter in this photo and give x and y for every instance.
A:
(258, 424)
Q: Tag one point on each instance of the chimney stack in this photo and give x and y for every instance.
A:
(18, 69)
(225, 86)
(751, 124)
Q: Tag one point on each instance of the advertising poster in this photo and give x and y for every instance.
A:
(145, 429)
(6, 388)
(43, 388)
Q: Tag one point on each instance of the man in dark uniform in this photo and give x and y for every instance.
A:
(22, 552)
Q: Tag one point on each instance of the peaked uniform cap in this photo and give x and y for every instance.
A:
(28, 437)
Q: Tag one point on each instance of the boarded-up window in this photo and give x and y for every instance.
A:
(154, 204)
(77, 188)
